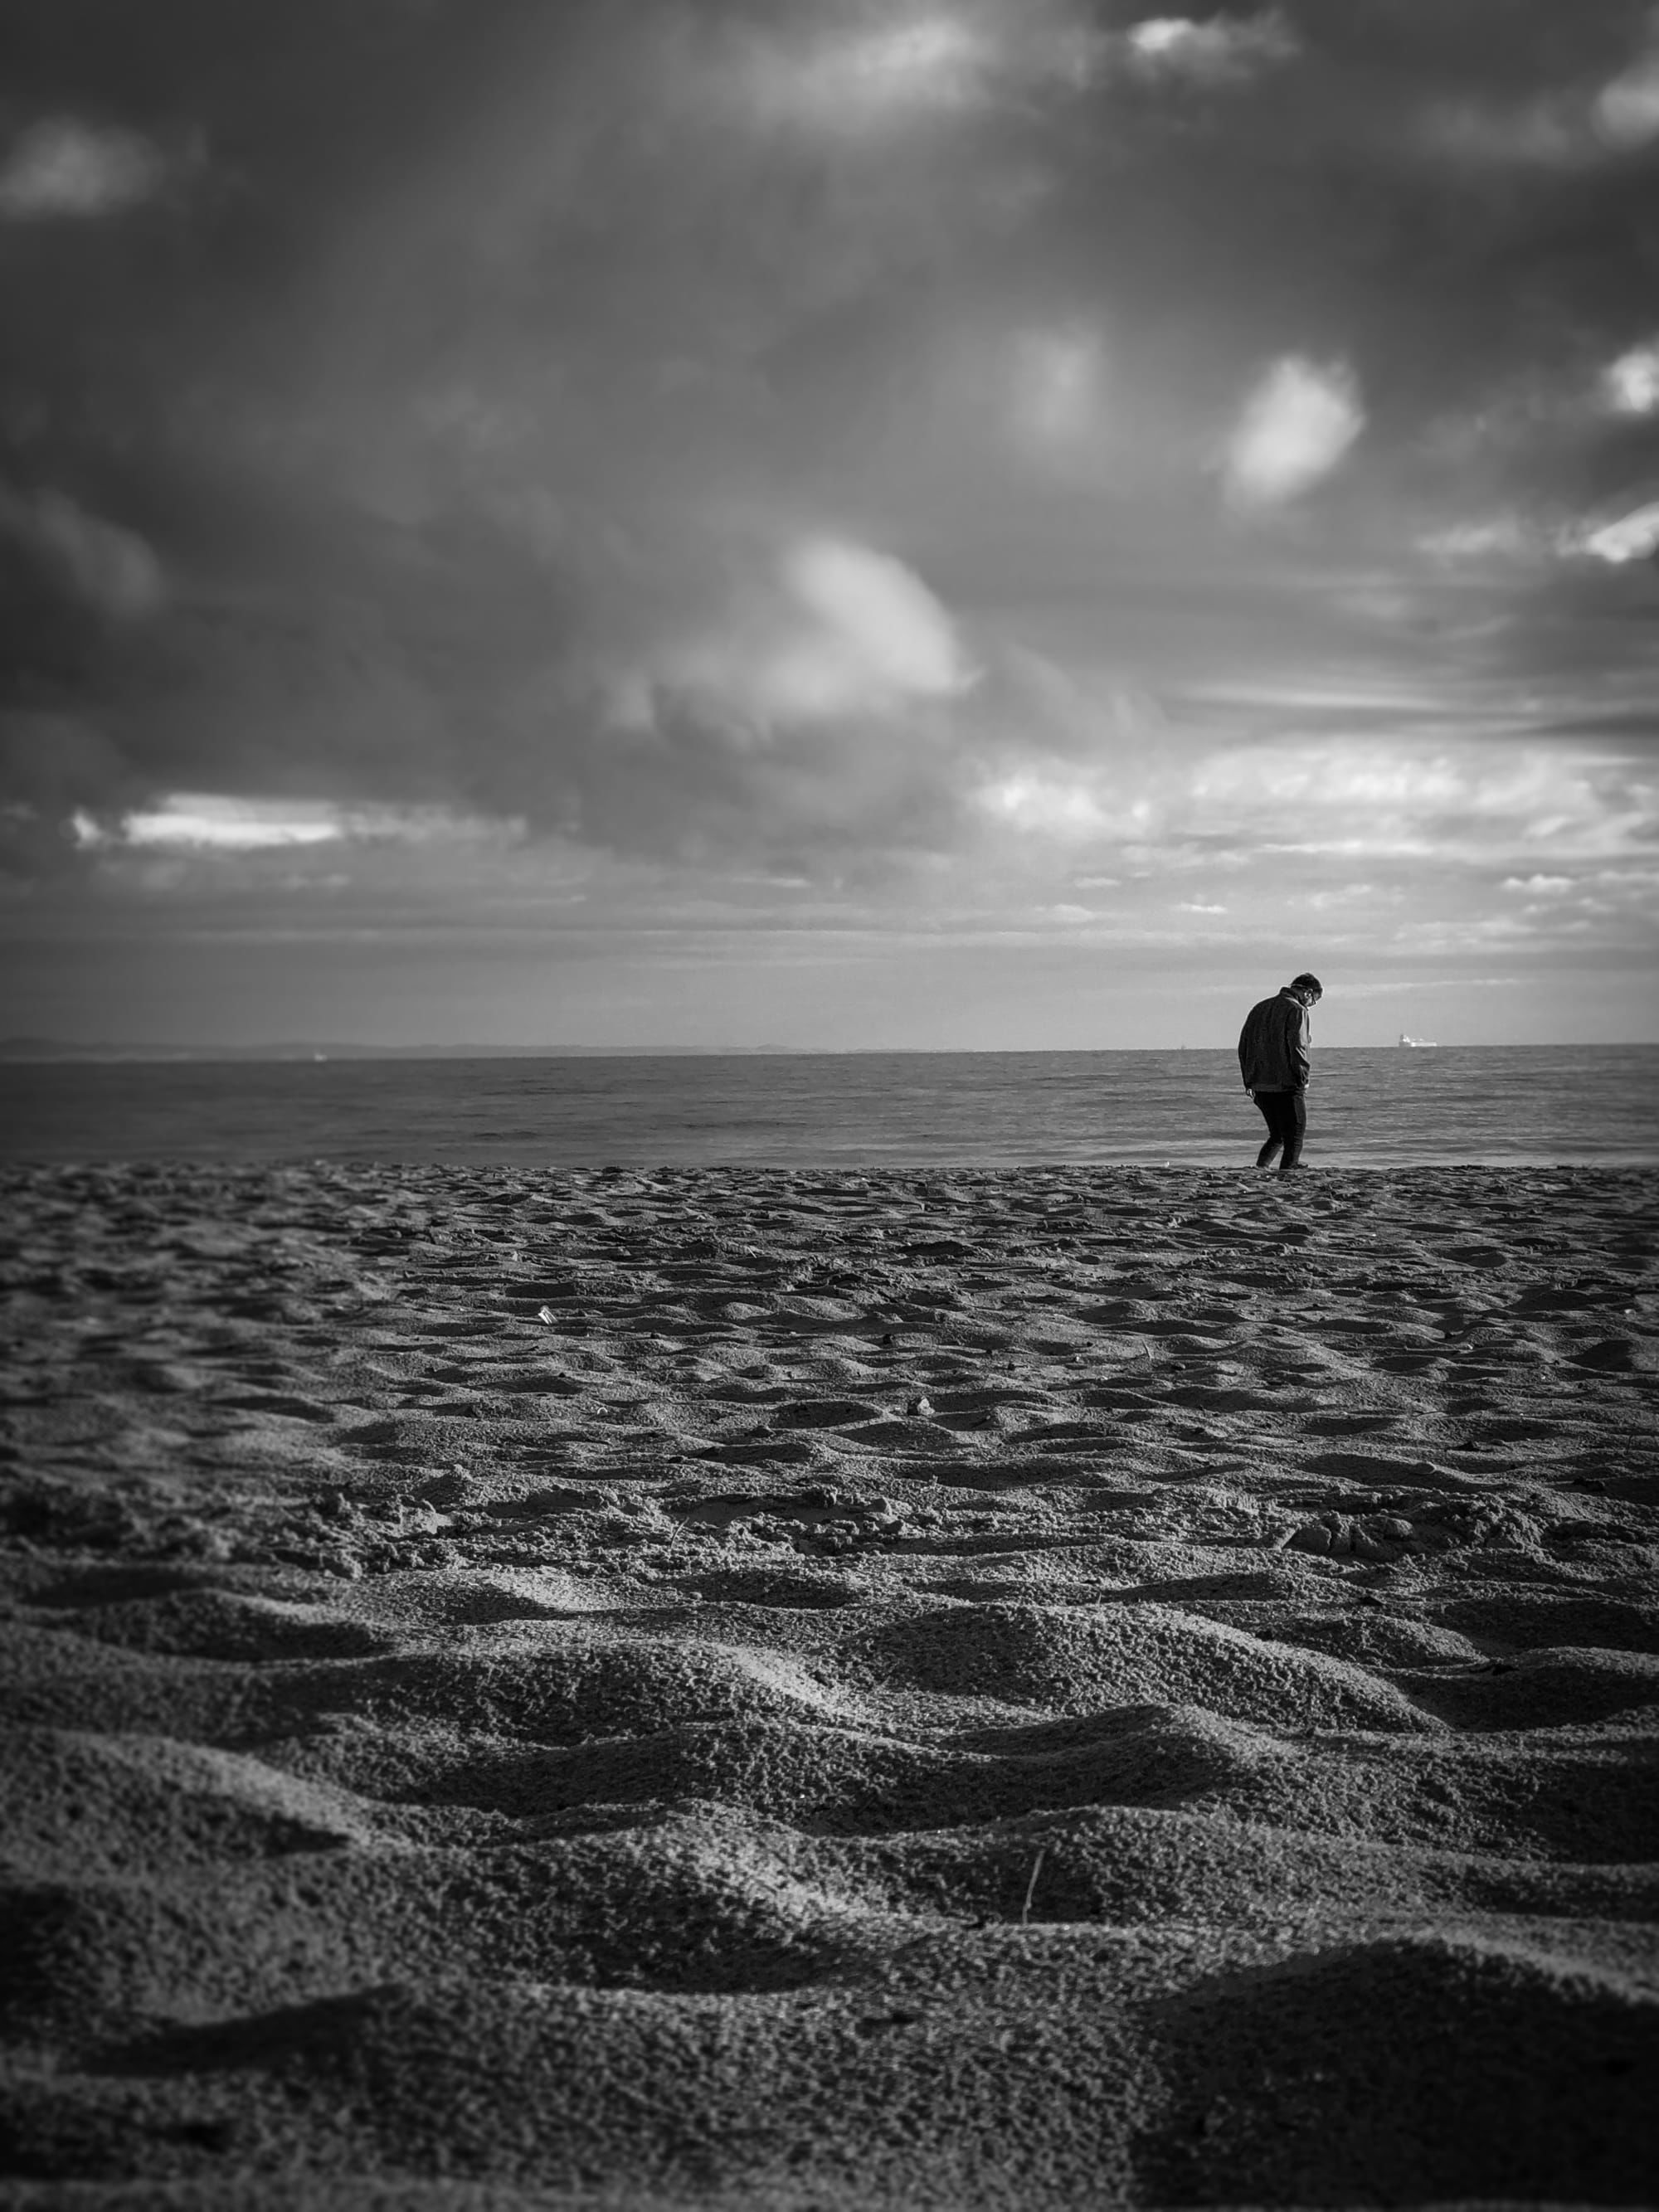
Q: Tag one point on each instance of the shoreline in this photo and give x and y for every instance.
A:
(777, 1687)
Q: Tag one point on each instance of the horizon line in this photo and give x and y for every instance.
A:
(20, 1051)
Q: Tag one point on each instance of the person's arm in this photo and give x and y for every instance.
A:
(1249, 1048)
(1300, 1038)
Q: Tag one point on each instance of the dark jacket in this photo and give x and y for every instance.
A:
(1272, 1045)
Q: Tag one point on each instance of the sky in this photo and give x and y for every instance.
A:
(992, 524)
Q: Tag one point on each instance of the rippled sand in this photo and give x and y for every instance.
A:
(789, 1689)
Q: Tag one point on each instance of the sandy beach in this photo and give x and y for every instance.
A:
(790, 1689)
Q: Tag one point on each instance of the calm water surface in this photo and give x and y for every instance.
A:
(1376, 1108)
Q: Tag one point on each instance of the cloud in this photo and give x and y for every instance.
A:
(881, 614)
(62, 169)
(1633, 536)
(1541, 134)
(1224, 50)
(931, 61)
(1295, 427)
(1048, 803)
(1630, 383)
(953, 62)
(841, 630)
(1460, 803)
(1058, 390)
(1561, 126)
(1506, 538)
(106, 566)
(1627, 111)
(209, 822)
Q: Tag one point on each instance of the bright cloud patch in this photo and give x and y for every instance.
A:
(1499, 537)
(1627, 108)
(850, 632)
(930, 61)
(934, 57)
(884, 616)
(1210, 52)
(1633, 536)
(1295, 427)
(1044, 805)
(1462, 801)
(62, 169)
(1632, 382)
(206, 821)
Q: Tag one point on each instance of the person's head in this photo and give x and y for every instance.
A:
(1308, 988)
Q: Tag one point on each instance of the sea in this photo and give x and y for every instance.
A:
(1384, 1107)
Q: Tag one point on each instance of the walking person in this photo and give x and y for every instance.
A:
(1272, 1059)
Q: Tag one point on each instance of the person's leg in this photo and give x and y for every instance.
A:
(1266, 1101)
(1293, 1128)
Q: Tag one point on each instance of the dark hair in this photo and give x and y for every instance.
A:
(1306, 982)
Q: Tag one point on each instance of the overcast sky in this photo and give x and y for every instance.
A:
(999, 523)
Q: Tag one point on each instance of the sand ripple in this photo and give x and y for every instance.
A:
(787, 1689)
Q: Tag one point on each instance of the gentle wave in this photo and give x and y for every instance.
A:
(1367, 1108)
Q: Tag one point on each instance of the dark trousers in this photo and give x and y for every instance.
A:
(1285, 1113)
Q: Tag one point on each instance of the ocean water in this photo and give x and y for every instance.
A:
(1385, 1107)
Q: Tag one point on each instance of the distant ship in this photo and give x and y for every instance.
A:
(1421, 1044)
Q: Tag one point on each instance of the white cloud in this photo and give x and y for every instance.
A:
(63, 168)
(1052, 804)
(111, 568)
(1296, 426)
(880, 614)
(1326, 901)
(949, 61)
(1499, 537)
(1632, 382)
(1627, 111)
(1633, 536)
(905, 63)
(1461, 802)
(845, 630)
(930, 60)
(208, 822)
(231, 825)
(1195, 906)
(1224, 48)
(931, 57)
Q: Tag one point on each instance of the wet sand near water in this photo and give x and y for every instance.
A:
(786, 1689)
